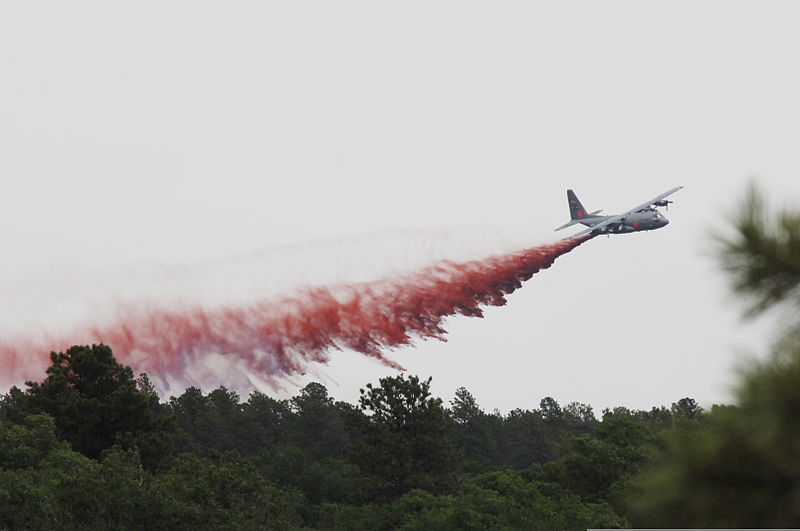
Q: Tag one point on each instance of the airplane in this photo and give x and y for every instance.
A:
(639, 218)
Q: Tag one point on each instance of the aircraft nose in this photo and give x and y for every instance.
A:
(665, 222)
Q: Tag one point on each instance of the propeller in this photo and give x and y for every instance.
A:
(663, 203)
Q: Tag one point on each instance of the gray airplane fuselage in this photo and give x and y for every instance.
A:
(633, 222)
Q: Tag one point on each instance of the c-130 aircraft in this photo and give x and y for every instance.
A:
(639, 218)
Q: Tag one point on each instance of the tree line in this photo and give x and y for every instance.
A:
(92, 446)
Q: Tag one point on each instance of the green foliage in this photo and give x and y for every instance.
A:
(528, 439)
(210, 422)
(762, 256)
(224, 493)
(35, 497)
(219, 421)
(95, 403)
(497, 500)
(266, 419)
(328, 479)
(66, 490)
(657, 419)
(394, 462)
(14, 405)
(26, 444)
(474, 432)
(502, 500)
(398, 461)
(739, 466)
(404, 443)
(595, 468)
(686, 408)
(318, 425)
(464, 408)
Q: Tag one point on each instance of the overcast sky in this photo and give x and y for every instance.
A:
(217, 150)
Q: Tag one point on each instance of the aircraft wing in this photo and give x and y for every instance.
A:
(620, 217)
(654, 200)
(609, 221)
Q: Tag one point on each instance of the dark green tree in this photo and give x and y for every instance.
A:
(267, 419)
(464, 407)
(594, 468)
(95, 402)
(501, 500)
(687, 408)
(579, 418)
(226, 492)
(657, 419)
(25, 444)
(474, 433)
(214, 422)
(225, 419)
(14, 405)
(527, 439)
(318, 426)
(405, 442)
(550, 410)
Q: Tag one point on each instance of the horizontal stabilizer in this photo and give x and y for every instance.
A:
(569, 224)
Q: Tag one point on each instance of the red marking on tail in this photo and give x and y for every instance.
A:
(275, 338)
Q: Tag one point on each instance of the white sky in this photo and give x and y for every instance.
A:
(331, 137)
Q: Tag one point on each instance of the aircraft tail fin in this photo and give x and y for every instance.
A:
(577, 212)
(576, 209)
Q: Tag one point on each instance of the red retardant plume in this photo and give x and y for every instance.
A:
(275, 338)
